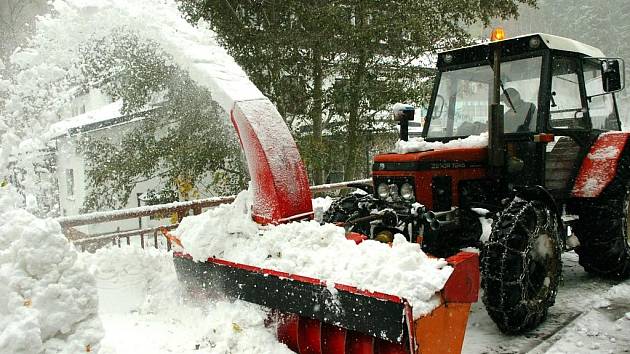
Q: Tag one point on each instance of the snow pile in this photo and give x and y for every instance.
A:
(149, 278)
(239, 327)
(619, 294)
(48, 299)
(142, 310)
(319, 251)
(419, 144)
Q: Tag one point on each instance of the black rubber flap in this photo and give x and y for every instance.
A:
(378, 315)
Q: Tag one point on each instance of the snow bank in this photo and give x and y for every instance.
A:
(48, 299)
(239, 327)
(147, 275)
(320, 251)
(419, 144)
(142, 310)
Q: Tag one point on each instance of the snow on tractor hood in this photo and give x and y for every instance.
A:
(420, 145)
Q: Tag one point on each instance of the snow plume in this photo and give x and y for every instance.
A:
(319, 251)
(48, 299)
(50, 73)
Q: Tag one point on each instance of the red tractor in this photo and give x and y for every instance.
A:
(554, 158)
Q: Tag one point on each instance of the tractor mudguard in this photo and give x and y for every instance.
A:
(600, 165)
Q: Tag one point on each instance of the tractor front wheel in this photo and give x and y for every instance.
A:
(604, 233)
(521, 266)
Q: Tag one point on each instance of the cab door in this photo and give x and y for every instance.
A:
(568, 120)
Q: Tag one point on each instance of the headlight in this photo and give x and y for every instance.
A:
(406, 191)
(382, 190)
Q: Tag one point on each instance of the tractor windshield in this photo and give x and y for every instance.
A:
(461, 104)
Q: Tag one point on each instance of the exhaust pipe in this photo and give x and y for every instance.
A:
(432, 215)
(451, 222)
(444, 225)
(496, 143)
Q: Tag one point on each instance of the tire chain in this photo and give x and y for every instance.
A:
(506, 224)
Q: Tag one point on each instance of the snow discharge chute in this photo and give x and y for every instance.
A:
(281, 189)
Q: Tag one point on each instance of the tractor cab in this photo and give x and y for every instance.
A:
(549, 98)
(556, 96)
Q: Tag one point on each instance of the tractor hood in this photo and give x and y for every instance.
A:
(453, 158)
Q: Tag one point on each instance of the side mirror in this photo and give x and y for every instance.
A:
(612, 75)
(403, 111)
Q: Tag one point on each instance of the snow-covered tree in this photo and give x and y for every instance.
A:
(344, 59)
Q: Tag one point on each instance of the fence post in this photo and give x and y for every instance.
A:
(155, 239)
(118, 237)
(142, 240)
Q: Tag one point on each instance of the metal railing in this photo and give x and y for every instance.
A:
(68, 223)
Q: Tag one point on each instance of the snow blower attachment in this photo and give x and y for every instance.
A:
(311, 316)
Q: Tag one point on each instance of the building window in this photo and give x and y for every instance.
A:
(69, 182)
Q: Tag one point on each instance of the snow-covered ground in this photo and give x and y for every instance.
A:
(142, 312)
(591, 315)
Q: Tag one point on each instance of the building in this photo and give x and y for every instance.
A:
(92, 115)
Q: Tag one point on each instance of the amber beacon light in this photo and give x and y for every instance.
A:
(497, 34)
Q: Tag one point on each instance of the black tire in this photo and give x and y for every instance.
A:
(604, 233)
(521, 266)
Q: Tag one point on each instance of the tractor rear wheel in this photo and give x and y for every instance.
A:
(604, 233)
(521, 266)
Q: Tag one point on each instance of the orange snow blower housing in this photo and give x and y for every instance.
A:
(360, 322)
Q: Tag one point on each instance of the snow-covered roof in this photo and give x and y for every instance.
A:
(102, 117)
(553, 42)
(569, 45)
